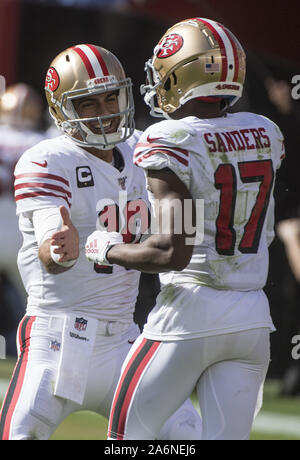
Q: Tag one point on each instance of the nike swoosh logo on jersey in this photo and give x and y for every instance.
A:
(43, 165)
(152, 139)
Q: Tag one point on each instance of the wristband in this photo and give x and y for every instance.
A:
(55, 257)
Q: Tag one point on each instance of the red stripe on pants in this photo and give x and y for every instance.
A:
(141, 366)
(19, 374)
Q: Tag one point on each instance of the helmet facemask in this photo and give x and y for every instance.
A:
(149, 90)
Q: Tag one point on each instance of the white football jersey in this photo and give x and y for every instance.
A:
(58, 172)
(230, 163)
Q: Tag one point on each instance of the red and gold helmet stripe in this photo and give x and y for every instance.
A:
(92, 59)
(228, 49)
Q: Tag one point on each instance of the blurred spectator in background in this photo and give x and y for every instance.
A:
(284, 276)
(287, 113)
(268, 91)
(288, 231)
(21, 114)
(11, 311)
(279, 93)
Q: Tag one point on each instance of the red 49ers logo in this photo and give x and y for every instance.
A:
(169, 46)
(52, 80)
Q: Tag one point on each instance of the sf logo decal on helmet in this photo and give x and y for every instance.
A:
(169, 46)
(52, 80)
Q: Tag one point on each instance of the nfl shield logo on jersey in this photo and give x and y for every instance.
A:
(54, 345)
(80, 324)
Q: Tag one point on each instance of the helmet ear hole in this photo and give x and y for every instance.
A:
(167, 84)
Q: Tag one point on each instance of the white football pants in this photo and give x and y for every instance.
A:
(30, 409)
(227, 370)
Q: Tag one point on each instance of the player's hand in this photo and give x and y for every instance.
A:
(98, 244)
(66, 240)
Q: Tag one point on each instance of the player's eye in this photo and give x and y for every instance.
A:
(87, 104)
(111, 98)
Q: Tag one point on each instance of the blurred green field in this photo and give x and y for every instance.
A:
(279, 418)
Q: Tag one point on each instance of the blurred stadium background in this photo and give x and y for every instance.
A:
(32, 33)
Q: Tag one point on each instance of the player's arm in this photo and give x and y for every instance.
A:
(289, 232)
(166, 249)
(61, 255)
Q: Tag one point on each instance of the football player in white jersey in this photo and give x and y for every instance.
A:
(79, 324)
(211, 323)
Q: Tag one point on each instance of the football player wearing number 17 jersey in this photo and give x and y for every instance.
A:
(79, 324)
(211, 323)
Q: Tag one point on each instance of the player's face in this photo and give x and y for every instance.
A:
(99, 105)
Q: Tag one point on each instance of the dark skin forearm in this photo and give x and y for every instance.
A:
(165, 250)
(155, 255)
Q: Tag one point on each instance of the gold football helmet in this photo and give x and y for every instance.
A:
(196, 58)
(84, 70)
(21, 106)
